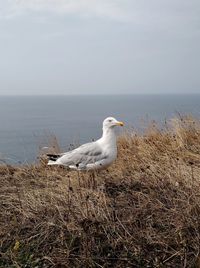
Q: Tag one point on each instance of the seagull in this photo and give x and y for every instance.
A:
(94, 155)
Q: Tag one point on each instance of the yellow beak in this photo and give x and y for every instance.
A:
(120, 124)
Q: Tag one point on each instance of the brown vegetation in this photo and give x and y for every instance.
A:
(144, 211)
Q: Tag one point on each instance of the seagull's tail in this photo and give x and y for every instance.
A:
(52, 159)
(51, 162)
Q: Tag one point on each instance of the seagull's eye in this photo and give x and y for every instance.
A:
(110, 120)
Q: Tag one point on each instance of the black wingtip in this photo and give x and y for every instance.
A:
(53, 157)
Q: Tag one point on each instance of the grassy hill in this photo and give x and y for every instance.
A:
(144, 211)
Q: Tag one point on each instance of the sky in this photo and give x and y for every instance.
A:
(99, 47)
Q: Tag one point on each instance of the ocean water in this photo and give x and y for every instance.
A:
(27, 122)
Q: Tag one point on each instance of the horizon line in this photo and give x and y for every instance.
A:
(98, 94)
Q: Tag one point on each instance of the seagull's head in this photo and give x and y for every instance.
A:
(111, 122)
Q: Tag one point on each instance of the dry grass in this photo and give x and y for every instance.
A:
(143, 212)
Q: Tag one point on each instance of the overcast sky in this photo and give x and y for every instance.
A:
(99, 46)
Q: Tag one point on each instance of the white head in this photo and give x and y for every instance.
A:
(111, 122)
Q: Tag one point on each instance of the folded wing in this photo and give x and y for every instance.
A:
(79, 158)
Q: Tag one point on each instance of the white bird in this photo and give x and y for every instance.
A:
(94, 155)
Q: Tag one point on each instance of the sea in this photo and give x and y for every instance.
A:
(29, 123)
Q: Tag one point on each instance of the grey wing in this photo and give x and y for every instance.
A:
(86, 154)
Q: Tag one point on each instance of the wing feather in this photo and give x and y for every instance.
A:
(86, 154)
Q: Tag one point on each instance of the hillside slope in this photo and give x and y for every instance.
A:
(144, 211)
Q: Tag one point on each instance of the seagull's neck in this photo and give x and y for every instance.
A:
(109, 136)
